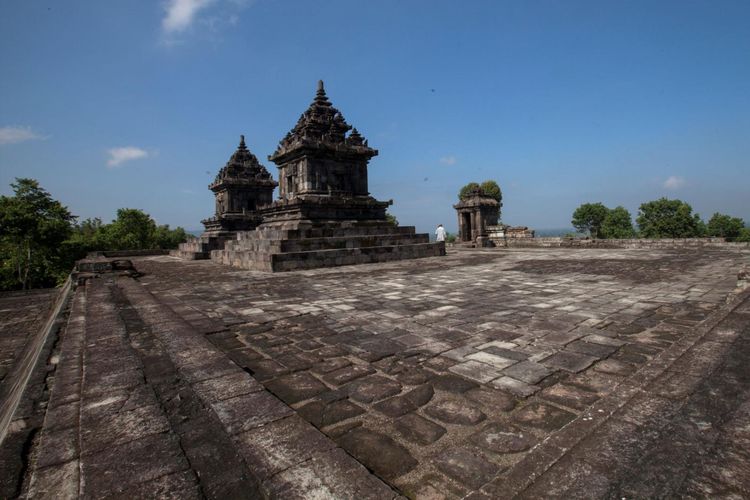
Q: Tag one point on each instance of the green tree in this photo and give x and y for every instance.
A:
(664, 218)
(163, 237)
(491, 188)
(391, 219)
(133, 229)
(33, 227)
(589, 218)
(724, 226)
(467, 189)
(617, 224)
(744, 235)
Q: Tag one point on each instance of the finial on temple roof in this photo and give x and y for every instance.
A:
(320, 95)
(242, 141)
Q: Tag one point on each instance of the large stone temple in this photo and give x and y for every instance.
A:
(324, 215)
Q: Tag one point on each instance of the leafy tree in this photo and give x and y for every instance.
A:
(467, 189)
(32, 228)
(391, 219)
(725, 226)
(132, 230)
(589, 218)
(491, 188)
(664, 218)
(744, 234)
(488, 188)
(617, 224)
(163, 237)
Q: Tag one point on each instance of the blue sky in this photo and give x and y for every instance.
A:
(139, 103)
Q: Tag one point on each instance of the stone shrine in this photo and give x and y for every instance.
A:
(325, 215)
(241, 187)
(475, 213)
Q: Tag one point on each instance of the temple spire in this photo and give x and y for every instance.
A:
(320, 96)
(242, 142)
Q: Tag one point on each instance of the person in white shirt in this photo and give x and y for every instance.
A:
(440, 233)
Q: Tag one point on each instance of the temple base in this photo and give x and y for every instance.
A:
(296, 245)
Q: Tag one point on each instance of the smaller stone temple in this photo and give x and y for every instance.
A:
(325, 215)
(476, 212)
(241, 187)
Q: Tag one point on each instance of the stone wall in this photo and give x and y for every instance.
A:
(627, 243)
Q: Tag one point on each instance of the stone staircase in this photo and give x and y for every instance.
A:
(274, 248)
(198, 248)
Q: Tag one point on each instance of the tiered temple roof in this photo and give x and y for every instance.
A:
(243, 166)
(322, 126)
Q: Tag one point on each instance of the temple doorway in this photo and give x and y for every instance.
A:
(466, 229)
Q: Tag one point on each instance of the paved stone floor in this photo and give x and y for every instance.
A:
(482, 374)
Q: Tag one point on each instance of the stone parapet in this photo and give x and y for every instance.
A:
(561, 242)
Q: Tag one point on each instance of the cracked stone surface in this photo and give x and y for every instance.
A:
(459, 343)
(441, 377)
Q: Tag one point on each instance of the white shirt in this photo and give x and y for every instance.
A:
(440, 233)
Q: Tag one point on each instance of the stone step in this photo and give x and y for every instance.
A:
(333, 243)
(190, 255)
(290, 261)
(198, 248)
(332, 231)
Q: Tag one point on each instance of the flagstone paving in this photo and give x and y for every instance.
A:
(482, 374)
(441, 373)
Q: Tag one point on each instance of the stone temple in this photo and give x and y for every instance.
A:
(324, 216)
(475, 214)
(240, 187)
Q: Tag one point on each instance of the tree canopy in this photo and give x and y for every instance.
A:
(664, 218)
(487, 188)
(617, 224)
(467, 189)
(725, 226)
(588, 218)
(40, 239)
(491, 188)
(32, 228)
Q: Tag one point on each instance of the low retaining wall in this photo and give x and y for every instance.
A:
(126, 253)
(629, 243)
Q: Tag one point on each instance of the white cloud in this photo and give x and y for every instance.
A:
(14, 134)
(181, 14)
(448, 160)
(674, 182)
(121, 155)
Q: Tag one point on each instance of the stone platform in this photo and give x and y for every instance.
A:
(325, 245)
(575, 373)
